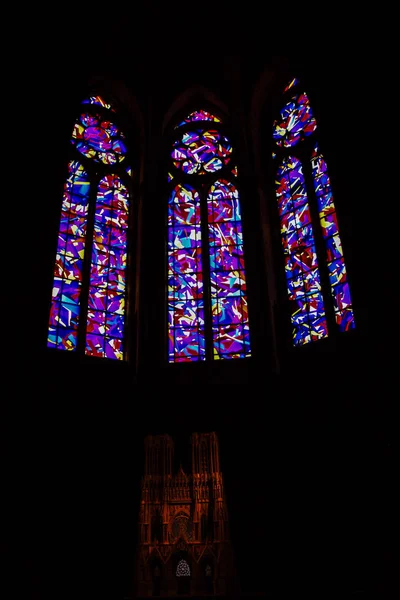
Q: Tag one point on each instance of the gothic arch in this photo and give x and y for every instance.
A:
(207, 298)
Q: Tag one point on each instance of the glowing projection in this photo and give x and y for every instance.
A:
(106, 306)
(228, 281)
(199, 115)
(297, 122)
(182, 569)
(201, 151)
(101, 268)
(67, 283)
(204, 152)
(334, 255)
(185, 277)
(98, 139)
(301, 266)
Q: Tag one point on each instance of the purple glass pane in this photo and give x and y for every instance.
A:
(66, 338)
(345, 319)
(96, 320)
(113, 348)
(337, 272)
(98, 139)
(185, 289)
(333, 248)
(334, 253)
(341, 296)
(229, 310)
(231, 339)
(296, 122)
(64, 311)
(329, 225)
(301, 266)
(94, 345)
(227, 283)
(187, 313)
(189, 344)
(227, 276)
(226, 258)
(107, 276)
(201, 151)
(115, 325)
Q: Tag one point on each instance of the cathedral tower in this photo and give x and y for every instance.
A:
(184, 545)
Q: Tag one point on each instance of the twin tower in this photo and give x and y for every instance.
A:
(184, 546)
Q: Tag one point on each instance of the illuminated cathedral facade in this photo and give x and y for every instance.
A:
(184, 546)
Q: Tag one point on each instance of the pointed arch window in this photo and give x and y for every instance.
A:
(87, 311)
(207, 299)
(182, 569)
(309, 227)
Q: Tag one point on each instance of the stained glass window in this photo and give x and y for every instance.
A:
(301, 268)
(303, 262)
(207, 299)
(334, 254)
(67, 283)
(92, 240)
(228, 279)
(185, 276)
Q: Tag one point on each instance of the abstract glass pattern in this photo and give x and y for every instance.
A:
(290, 85)
(185, 277)
(199, 115)
(196, 152)
(98, 101)
(296, 122)
(104, 277)
(301, 265)
(228, 281)
(99, 139)
(67, 283)
(107, 289)
(201, 151)
(334, 255)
